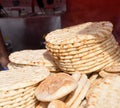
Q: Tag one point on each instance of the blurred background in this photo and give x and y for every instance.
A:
(25, 23)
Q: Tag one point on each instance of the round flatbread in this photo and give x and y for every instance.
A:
(106, 74)
(55, 86)
(19, 78)
(113, 68)
(57, 104)
(12, 66)
(32, 57)
(83, 48)
(10, 96)
(86, 31)
(72, 45)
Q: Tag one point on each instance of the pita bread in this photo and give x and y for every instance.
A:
(106, 94)
(76, 75)
(30, 103)
(97, 66)
(93, 85)
(85, 47)
(81, 95)
(20, 100)
(32, 57)
(93, 77)
(90, 30)
(91, 60)
(55, 86)
(15, 92)
(53, 47)
(106, 74)
(6, 98)
(115, 68)
(88, 54)
(13, 66)
(57, 104)
(72, 96)
(23, 77)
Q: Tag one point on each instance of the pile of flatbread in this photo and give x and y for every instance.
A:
(30, 58)
(85, 48)
(78, 69)
(62, 90)
(91, 92)
(17, 87)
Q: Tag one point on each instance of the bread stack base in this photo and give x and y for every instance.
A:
(17, 87)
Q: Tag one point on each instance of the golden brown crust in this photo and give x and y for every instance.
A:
(53, 83)
(105, 94)
(57, 104)
(115, 68)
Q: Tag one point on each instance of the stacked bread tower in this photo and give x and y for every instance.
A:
(85, 60)
(17, 87)
(85, 48)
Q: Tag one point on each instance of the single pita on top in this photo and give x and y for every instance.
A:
(19, 78)
(105, 94)
(55, 86)
(83, 48)
(32, 57)
(86, 31)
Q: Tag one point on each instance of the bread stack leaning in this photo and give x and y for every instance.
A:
(24, 58)
(85, 48)
(17, 87)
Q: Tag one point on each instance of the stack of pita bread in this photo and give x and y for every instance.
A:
(78, 56)
(85, 48)
(24, 58)
(17, 87)
(62, 90)
(111, 70)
